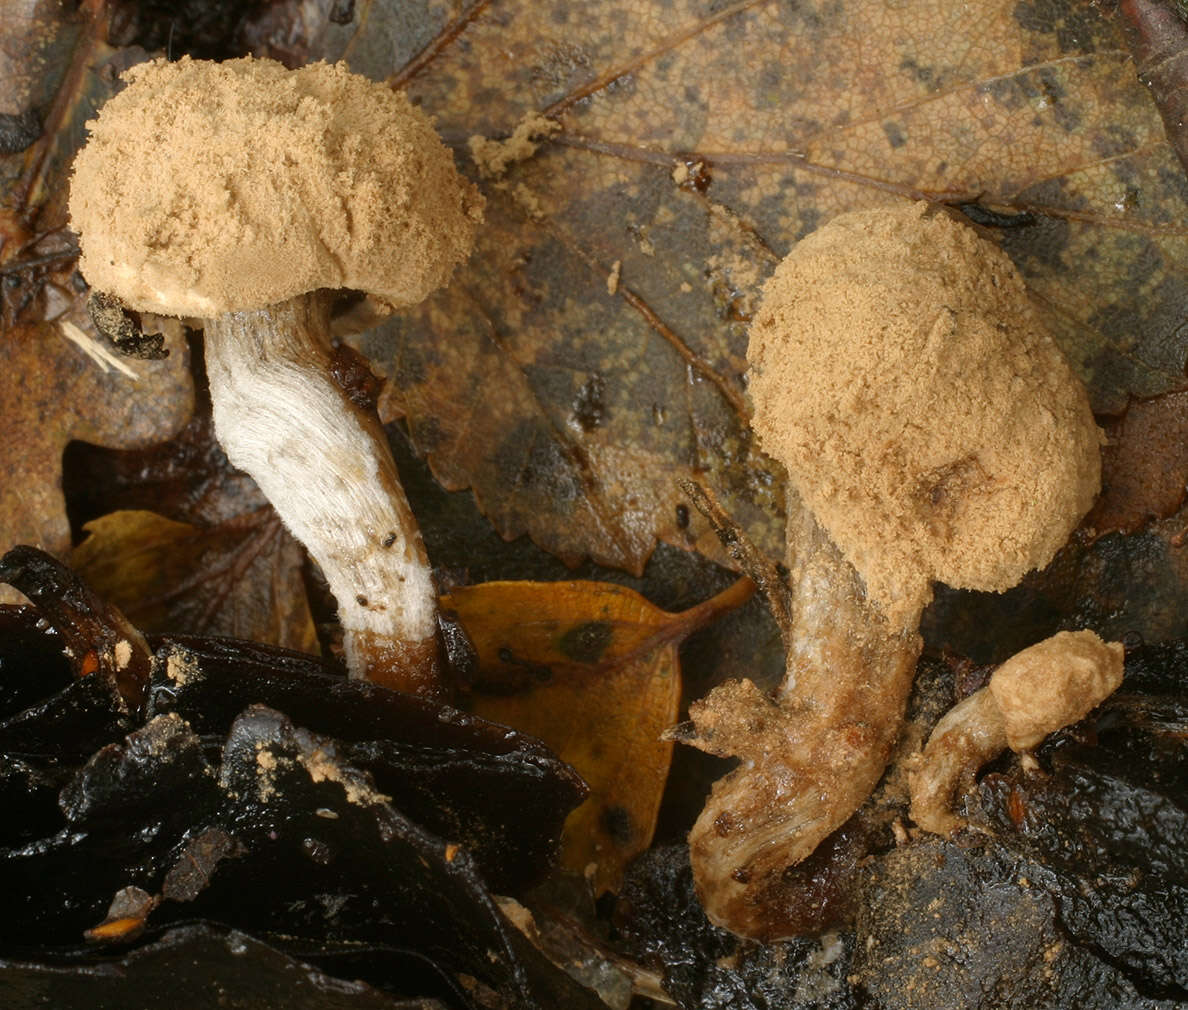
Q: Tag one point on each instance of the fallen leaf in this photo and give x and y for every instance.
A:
(58, 381)
(241, 578)
(187, 478)
(53, 392)
(592, 670)
(32, 40)
(571, 411)
(1144, 466)
(1158, 38)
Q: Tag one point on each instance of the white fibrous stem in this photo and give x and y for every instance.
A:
(1046, 687)
(813, 752)
(324, 464)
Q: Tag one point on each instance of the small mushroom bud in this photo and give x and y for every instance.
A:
(931, 431)
(241, 193)
(1044, 688)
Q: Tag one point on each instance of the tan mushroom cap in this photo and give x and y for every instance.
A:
(1053, 684)
(927, 418)
(213, 187)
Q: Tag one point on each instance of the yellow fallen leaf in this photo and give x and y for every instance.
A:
(592, 670)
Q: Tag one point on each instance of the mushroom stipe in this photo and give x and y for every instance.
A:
(932, 432)
(241, 193)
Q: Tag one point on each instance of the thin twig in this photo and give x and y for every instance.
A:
(95, 351)
(749, 558)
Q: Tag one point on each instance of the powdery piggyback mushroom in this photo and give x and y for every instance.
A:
(932, 432)
(924, 414)
(240, 193)
(207, 188)
(1038, 691)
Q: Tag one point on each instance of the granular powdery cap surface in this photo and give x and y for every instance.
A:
(924, 414)
(213, 187)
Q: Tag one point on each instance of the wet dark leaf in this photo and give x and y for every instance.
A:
(268, 826)
(1105, 826)
(125, 780)
(1127, 588)
(97, 637)
(704, 966)
(199, 966)
(294, 804)
(31, 662)
(503, 794)
(84, 715)
(978, 929)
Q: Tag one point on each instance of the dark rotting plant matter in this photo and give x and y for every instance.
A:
(1068, 888)
(253, 790)
(204, 29)
(365, 832)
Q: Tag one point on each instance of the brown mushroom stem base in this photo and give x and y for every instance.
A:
(812, 754)
(412, 667)
(970, 734)
(325, 466)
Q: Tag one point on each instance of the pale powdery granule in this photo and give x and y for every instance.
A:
(211, 187)
(924, 414)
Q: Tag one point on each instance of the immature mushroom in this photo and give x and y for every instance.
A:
(931, 431)
(240, 193)
(1044, 688)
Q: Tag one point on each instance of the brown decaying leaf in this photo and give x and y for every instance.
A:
(571, 411)
(1158, 38)
(53, 392)
(32, 40)
(241, 578)
(56, 381)
(1144, 466)
(187, 478)
(592, 670)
